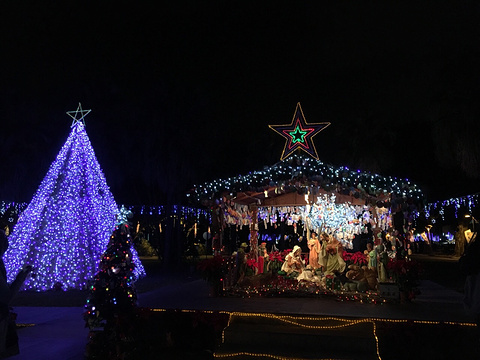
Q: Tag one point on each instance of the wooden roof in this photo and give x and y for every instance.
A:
(289, 199)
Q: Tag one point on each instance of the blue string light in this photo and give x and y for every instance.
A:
(66, 227)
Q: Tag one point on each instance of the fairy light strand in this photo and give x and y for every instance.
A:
(298, 173)
(65, 228)
(295, 320)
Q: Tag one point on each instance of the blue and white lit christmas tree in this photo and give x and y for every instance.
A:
(66, 227)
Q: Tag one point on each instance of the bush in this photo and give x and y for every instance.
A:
(144, 248)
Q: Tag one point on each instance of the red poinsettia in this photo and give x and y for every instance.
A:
(285, 252)
(357, 258)
(251, 263)
(276, 256)
(275, 261)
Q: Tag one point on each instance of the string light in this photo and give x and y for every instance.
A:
(295, 320)
(113, 291)
(438, 208)
(257, 355)
(64, 230)
(297, 173)
(377, 345)
(78, 115)
(22, 325)
(299, 134)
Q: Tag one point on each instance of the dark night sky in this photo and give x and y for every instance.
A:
(184, 93)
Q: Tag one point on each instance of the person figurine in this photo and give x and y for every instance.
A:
(392, 242)
(8, 344)
(262, 249)
(382, 261)
(409, 241)
(460, 239)
(400, 245)
(294, 265)
(322, 257)
(332, 253)
(262, 255)
(371, 256)
(241, 262)
(314, 249)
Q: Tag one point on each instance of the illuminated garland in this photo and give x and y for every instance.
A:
(182, 211)
(14, 207)
(10, 211)
(296, 289)
(301, 174)
(438, 208)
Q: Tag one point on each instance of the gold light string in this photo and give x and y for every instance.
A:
(377, 345)
(257, 355)
(20, 326)
(295, 320)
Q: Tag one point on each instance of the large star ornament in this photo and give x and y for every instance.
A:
(299, 134)
(78, 115)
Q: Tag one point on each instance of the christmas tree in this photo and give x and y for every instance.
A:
(113, 292)
(66, 227)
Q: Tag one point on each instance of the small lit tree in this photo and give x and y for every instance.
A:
(113, 293)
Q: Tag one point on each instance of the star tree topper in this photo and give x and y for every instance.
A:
(299, 134)
(78, 115)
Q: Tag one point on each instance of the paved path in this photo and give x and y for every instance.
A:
(59, 333)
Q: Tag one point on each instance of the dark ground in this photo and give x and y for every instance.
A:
(442, 269)
(155, 278)
(255, 337)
